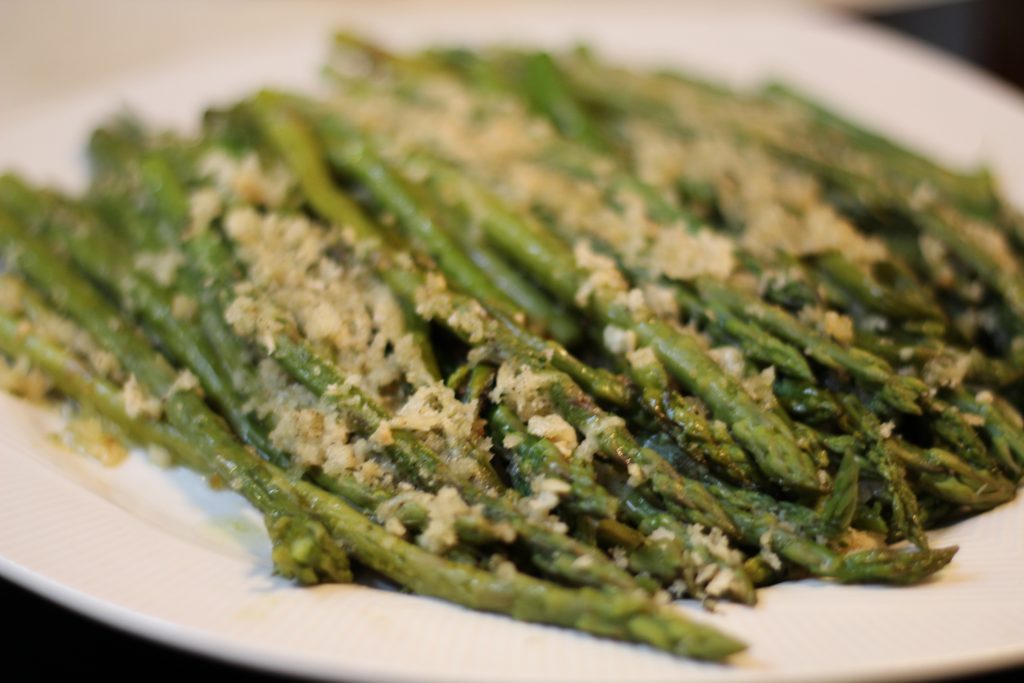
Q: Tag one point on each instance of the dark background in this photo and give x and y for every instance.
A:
(989, 33)
(51, 640)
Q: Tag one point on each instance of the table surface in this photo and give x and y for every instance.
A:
(50, 49)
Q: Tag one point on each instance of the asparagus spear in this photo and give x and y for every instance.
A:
(675, 554)
(906, 517)
(300, 151)
(974, 189)
(554, 552)
(480, 328)
(685, 421)
(197, 437)
(914, 387)
(867, 291)
(1004, 436)
(900, 392)
(302, 548)
(535, 456)
(658, 488)
(156, 310)
(760, 520)
(422, 465)
(297, 536)
(757, 341)
(553, 265)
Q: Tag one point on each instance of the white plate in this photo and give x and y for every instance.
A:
(160, 554)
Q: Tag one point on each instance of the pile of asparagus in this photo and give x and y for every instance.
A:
(540, 335)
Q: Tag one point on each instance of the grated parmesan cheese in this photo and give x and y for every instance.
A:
(246, 179)
(87, 435)
(434, 408)
(204, 207)
(766, 552)
(839, 327)
(730, 359)
(137, 403)
(444, 508)
(680, 254)
(603, 277)
(524, 388)
(661, 301)
(162, 266)
(555, 429)
(618, 340)
(946, 369)
(21, 379)
(185, 381)
(760, 387)
(183, 307)
(642, 357)
(339, 304)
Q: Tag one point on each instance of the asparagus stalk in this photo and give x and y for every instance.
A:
(553, 265)
(738, 470)
(758, 342)
(200, 439)
(534, 456)
(298, 537)
(183, 341)
(299, 150)
(619, 444)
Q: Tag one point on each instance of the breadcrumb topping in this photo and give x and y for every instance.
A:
(523, 388)
(137, 403)
(555, 429)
